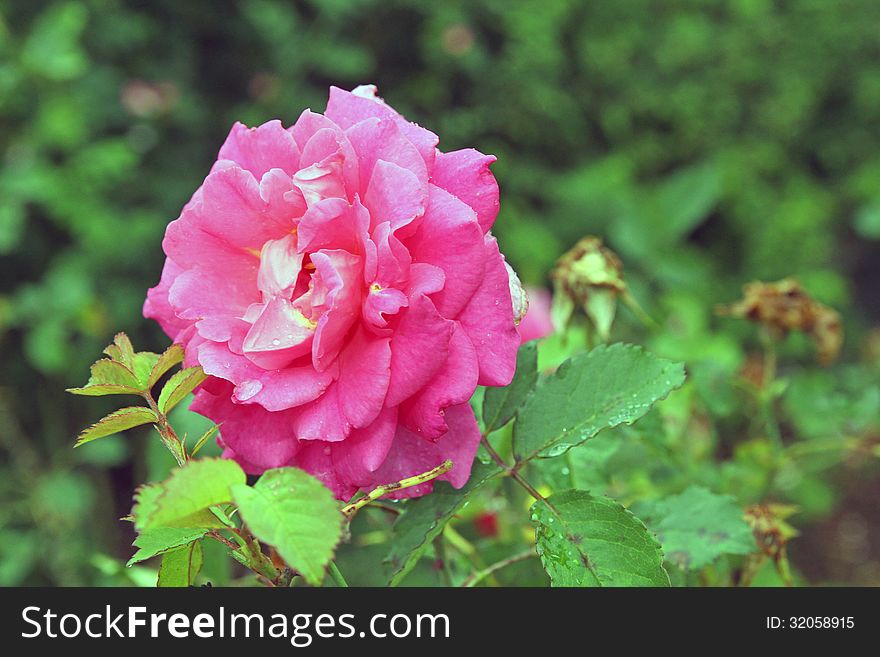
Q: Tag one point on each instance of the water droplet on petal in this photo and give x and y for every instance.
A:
(247, 389)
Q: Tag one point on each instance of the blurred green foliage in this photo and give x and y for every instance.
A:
(708, 143)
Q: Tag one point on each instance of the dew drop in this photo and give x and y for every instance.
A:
(247, 389)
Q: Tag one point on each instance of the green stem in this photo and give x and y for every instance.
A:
(476, 578)
(336, 575)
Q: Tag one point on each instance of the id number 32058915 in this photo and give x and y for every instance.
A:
(811, 623)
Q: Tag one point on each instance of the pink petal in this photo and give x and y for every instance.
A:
(395, 195)
(333, 223)
(454, 383)
(488, 321)
(411, 454)
(198, 292)
(422, 336)
(387, 261)
(381, 302)
(466, 175)
(316, 458)
(280, 265)
(280, 335)
(537, 323)
(359, 455)
(364, 374)
(262, 148)
(425, 279)
(346, 109)
(321, 181)
(449, 237)
(307, 126)
(274, 390)
(228, 219)
(261, 438)
(337, 296)
(374, 140)
(357, 396)
(157, 306)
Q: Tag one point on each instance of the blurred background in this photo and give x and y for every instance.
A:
(708, 144)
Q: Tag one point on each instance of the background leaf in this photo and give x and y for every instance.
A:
(697, 526)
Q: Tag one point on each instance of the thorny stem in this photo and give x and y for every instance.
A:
(513, 472)
(169, 437)
(353, 507)
(477, 577)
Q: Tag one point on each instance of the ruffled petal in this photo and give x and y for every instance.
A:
(453, 383)
(395, 195)
(450, 238)
(421, 336)
(158, 307)
(488, 321)
(465, 174)
(346, 108)
(411, 454)
(263, 439)
(259, 149)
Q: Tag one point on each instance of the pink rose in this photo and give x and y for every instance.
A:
(338, 282)
(537, 322)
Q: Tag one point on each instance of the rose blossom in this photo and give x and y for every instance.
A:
(338, 282)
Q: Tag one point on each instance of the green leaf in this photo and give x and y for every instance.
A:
(159, 541)
(501, 404)
(296, 514)
(143, 364)
(124, 418)
(169, 358)
(183, 499)
(425, 517)
(109, 377)
(604, 388)
(594, 541)
(179, 386)
(181, 566)
(121, 350)
(698, 526)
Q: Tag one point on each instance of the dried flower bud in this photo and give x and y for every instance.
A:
(785, 306)
(769, 527)
(589, 276)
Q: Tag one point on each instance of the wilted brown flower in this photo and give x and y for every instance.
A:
(785, 306)
(589, 276)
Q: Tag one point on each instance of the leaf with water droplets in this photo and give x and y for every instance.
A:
(589, 392)
(594, 541)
